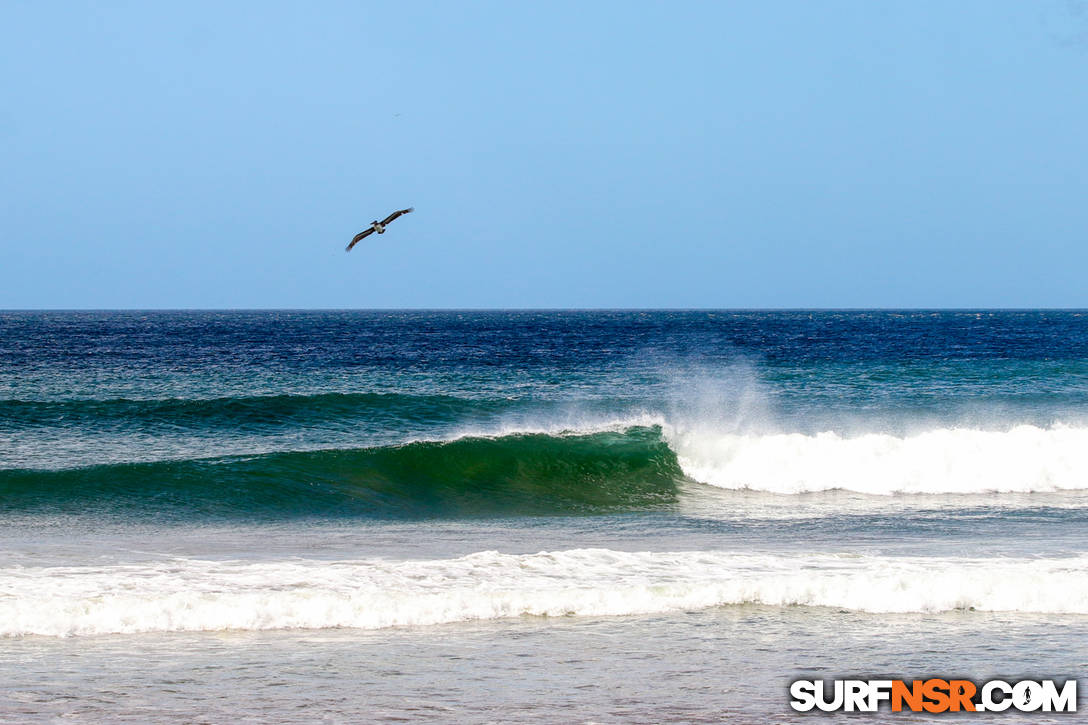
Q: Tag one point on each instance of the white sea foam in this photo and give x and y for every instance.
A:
(196, 595)
(948, 460)
(1021, 459)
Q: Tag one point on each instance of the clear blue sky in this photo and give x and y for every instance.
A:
(558, 154)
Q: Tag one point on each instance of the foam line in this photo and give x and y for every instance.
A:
(1024, 459)
(198, 595)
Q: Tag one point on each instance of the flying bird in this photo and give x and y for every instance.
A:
(377, 226)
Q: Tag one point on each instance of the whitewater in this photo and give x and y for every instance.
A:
(1020, 459)
(192, 595)
(663, 516)
(1025, 458)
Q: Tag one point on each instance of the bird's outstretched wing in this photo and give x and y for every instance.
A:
(396, 214)
(360, 236)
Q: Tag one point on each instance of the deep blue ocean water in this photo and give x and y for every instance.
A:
(274, 476)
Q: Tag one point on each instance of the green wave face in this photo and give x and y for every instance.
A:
(526, 474)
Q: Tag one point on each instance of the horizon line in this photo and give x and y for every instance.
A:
(543, 309)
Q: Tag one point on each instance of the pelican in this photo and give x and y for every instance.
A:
(377, 226)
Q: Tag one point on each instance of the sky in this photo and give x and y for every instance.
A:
(558, 154)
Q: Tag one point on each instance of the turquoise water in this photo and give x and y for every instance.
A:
(727, 493)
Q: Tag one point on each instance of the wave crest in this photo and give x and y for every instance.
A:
(511, 474)
(613, 466)
(1024, 459)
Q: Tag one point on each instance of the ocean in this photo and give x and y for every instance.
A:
(534, 516)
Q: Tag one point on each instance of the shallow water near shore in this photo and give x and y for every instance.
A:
(728, 664)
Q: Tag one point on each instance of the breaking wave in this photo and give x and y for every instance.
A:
(613, 467)
(1024, 459)
(527, 473)
(199, 595)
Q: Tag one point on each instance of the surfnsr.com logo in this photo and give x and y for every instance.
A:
(934, 695)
